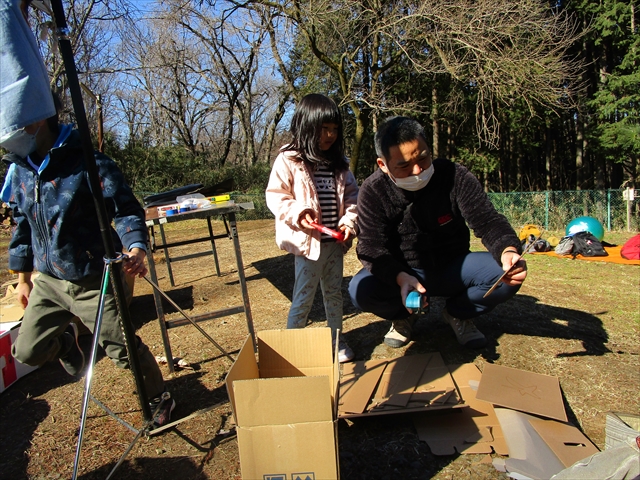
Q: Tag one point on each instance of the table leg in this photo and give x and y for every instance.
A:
(213, 246)
(158, 301)
(243, 282)
(166, 256)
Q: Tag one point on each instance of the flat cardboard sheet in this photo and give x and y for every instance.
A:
(472, 430)
(541, 456)
(566, 441)
(521, 390)
(355, 395)
(404, 384)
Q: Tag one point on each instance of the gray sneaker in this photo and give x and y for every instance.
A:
(400, 332)
(466, 332)
(71, 355)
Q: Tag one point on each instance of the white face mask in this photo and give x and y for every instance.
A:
(21, 143)
(413, 183)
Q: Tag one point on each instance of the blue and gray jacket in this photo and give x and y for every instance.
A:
(57, 229)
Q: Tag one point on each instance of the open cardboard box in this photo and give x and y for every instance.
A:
(285, 405)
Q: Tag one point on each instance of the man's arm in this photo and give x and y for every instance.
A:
(487, 224)
(373, 247)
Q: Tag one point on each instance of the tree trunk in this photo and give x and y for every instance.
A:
(580, 146)
(434, 120)
(358, 136)
(547, 157)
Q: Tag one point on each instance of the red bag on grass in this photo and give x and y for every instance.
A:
(631, 249)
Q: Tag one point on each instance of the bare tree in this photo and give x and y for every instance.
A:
(498, 50)
(94, 26)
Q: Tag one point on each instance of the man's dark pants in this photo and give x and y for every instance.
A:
(463, 281)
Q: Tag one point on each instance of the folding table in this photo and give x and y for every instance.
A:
(227, 211)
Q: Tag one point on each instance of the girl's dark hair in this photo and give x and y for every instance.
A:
(306, 126)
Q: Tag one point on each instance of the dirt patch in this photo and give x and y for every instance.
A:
(575, 320)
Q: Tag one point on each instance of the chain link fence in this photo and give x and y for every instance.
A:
(552, 210)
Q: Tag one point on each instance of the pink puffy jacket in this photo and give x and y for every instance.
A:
(291, 191)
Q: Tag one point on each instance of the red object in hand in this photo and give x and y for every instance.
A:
(337, 235)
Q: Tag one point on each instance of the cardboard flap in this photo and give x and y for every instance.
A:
(304, 450)
(468, 430)
(295, 352)
(528, 453)
(11, 310)
(335, 384)
(281, 401)
(567, 442)
(245, 367)
(359, 379)
(521, 390)
(403, 388)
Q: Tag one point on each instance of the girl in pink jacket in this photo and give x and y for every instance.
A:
(310, 183)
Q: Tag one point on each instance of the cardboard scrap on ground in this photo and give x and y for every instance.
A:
(538, 448)
(404, 384)
(521, 390)
(467, 430)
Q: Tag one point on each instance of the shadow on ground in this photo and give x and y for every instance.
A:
(143, 307)
(523, 315)
(280, 272)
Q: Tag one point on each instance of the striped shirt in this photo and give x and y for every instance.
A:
(325, 181)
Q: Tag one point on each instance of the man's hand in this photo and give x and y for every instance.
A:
(134, 263)
(515, 266)
(23, 288)
(409, 283)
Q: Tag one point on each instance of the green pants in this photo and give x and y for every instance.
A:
(53, 303)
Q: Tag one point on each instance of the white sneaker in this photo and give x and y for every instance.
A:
(466, 332)
(400, 333)
(345, 354)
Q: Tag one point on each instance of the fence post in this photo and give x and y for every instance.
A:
(608, 210)
(628, 195)
(546, 210)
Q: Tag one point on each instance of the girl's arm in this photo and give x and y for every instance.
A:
(280, 195)
(350, 217)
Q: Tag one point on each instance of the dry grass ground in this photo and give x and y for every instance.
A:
(575, 320)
